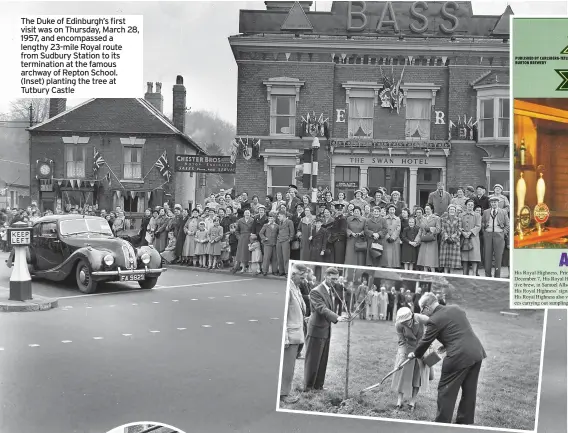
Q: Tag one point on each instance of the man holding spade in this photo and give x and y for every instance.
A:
(319, 330)
(460, 369)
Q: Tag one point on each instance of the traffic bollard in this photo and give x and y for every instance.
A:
(20, 238)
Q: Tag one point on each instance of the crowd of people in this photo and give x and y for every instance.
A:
(251, 235)
(419, 318)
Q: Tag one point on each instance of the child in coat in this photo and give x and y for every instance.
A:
(201, 241)
(233, 242)
(225, 257)
(214, 247)
(256, 254)
(409, 249)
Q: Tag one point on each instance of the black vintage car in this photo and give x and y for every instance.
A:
(83, 248)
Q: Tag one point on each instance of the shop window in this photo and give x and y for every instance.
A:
(493, 111)
(280, 178)
(347, 181)
(418, 118)
(75, 161)
(500, 177)
(361, 113)
(132, 162)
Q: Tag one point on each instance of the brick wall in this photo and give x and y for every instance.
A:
(50, 146)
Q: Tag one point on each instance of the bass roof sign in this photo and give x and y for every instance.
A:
(419, 18)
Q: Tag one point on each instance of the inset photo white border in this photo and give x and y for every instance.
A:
(353, 394)
(145, 427)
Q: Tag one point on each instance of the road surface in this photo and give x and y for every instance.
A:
(201, 352)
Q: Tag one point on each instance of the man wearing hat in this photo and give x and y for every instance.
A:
(481, 198)
(503, 200)
(440, 199)
(319, 330)
(495, 224)
(294, 200)
(286, 233)
(465, 354)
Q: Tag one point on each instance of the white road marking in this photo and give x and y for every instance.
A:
(155, 302)
(206, 326)
(181, 329)
(1, 349)
(127, 335)
(253, 320)
(66, 341)
(274, 318)
(88, 307)
(154, 332)
(207, 283)
(259, 293)
(135, 303)
(33, 345)
(227, 296)
(97, 338)
(195, 299)
(230, 323)
(175, 300)
(244, 294)
(211, 297)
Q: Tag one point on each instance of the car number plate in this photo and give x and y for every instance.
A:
(133, 277)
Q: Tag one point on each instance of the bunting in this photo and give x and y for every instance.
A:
(164, 166)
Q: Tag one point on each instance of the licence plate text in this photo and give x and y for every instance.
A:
(133, 277)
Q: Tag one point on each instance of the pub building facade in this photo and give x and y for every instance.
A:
(400, 95)
(127, 136)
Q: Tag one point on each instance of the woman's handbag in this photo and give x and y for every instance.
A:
(360, 246)
(428, 237)
(376, 250)
(466, 245)
(295, 245)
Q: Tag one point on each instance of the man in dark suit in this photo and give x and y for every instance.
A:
(416, 299)
(319, 331)
(460, 369)
(495, 225)
(392, 300)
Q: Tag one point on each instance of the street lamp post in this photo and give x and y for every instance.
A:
(315, 147)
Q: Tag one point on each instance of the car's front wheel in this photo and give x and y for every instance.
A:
(84, 278)
(148, 283)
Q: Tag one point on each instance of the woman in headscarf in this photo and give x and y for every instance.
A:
(354, 254)
(383, 303)
(400, 205)
(450, 256)
(161, 233)
(470, 228)
(391, 242)
(243, 231)
(429, 228)
(358, 200)
(375, 231)
(415, 375)
(305, 230)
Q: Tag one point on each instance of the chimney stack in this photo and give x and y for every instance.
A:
(57, 106)
(155, 98)
(179, 107)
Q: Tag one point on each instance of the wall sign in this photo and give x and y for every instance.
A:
(204, 164)
(340, 115)
(346, 185)
(396, 17)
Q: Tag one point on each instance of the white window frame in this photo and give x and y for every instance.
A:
(424, 91)
(270, 186)
(132, 143)
(361, 89)
(283, 86)
(74, 163)
(494, 92)
(131, 165)
(77, 142)
(291, 117)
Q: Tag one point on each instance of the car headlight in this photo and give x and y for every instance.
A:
(145, 258)
(109, 260)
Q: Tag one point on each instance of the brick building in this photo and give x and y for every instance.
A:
(400, 84)
(130, 135)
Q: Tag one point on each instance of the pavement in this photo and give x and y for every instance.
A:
(200, 352)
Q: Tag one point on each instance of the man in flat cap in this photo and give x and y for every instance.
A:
(495, 224)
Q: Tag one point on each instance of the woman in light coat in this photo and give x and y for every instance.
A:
(383, 303)
(415, 375)
(355, 233)
(189, 229)
(429, 228)
(294, 335)
(470, 228)
(391, 242)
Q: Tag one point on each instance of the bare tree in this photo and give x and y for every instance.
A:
(19, 109)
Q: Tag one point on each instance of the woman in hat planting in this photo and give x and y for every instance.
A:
(415, 375)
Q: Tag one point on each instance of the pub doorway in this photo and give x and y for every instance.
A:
(427, 180)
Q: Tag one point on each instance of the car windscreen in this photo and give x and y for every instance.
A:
(84, 225)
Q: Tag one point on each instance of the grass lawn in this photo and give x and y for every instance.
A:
(508, 383)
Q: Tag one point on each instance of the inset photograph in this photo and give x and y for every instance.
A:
(414, 346)
(145, 427)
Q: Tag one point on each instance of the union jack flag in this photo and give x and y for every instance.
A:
(164, 166)
(98, 161)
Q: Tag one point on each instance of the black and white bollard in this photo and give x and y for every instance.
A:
(20, 238)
